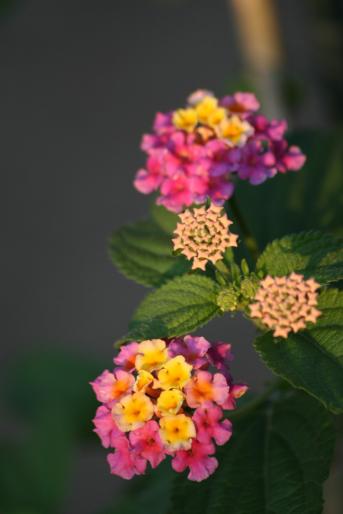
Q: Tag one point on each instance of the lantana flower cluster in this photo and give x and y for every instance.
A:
(195, 152)
(166, 398)
(286, 304)
(203, 235)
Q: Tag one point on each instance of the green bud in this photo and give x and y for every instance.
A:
(249, 287)
(244, 267)
(227, 299)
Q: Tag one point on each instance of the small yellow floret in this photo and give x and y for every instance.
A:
(185, 119)
(177, 432)
(132, 411)
(144, 378)
(235, 131)
(216, 117)
(152, 354)
(175, 373)
(169, 402)
(206, 108)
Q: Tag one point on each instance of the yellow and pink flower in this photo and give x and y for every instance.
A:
(166, 398)
(197, 152)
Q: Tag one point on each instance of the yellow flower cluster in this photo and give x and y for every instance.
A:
(158, 390)
(207, 113)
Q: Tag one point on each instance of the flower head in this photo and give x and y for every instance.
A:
(194, 350)
(197, 459)
(177, 431)
(175, 373)
(133, 411)
(110, 387)
(206, 387)
(125, 462)
(126, 357)
(203, 235)
(185, 119)
(286, 304)
(143, 381)
(146, 442)
(170, 402)
(234, 131)
(105, 426)
(209, 424)
(183, 168)
(151, 355)
(166, 398)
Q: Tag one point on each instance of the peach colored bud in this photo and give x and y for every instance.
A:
(203, 235)
(286, 304)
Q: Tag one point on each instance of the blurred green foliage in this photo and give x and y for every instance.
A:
(48, 405)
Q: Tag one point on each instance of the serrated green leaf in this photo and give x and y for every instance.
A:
(311, 198)
(312, 360)
(177, 308)
(275, 463)
(143, 252)
(314, 254)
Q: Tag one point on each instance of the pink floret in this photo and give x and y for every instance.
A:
(109, 387)
(194, 350)
(197, 459)
(209, 424)
(146, 442)
(127, 356)
(242, 103)
(125, 461)
(106, 427)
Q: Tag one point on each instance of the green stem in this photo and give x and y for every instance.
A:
(249, 239)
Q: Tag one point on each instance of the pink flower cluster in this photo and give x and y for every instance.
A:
(166, 398)
(195, 153)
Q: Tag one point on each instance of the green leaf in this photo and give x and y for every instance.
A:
(143, 252)
(314, 254)
(163, 218)
(312, 360)
(275, 463)
(178, 307)
(311, 198)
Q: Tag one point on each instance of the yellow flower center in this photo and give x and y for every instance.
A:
(133, 411)
(152, 354)
(170, 402)
(175, 373)
(177, 431)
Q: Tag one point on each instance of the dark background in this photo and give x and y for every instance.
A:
(80, 83)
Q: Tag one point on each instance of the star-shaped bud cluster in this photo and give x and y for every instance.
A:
(203, 235)
(166, 398)
(286, 304)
